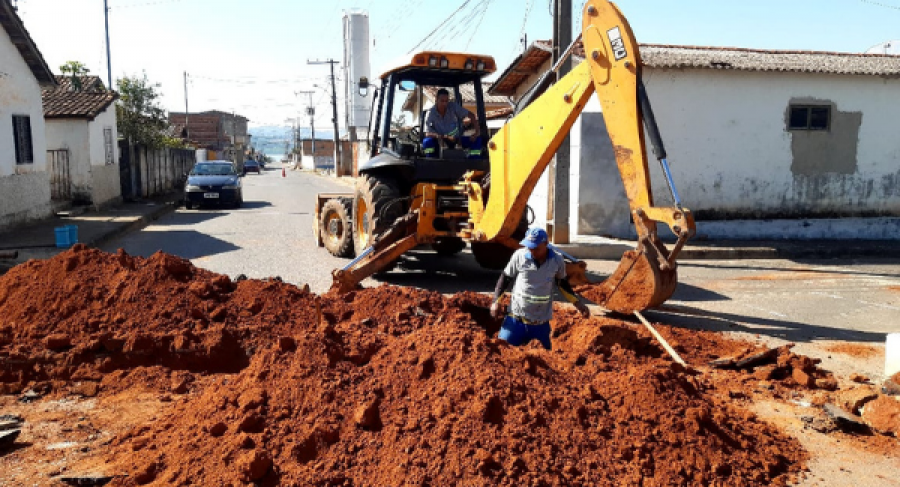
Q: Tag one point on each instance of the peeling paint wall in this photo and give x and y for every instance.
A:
(24, 188)
(733, 157)
(106, 187)
(72, 134)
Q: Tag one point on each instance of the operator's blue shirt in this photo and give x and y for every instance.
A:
(449, 123)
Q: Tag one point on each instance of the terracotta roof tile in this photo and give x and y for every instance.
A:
(703, 57)
(89, 83)
(76, 104)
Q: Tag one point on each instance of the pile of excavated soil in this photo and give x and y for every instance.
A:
(385, 386)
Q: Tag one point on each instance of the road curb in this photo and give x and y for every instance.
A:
(138, 224)
(789, 250)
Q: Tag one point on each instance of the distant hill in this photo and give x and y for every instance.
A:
(271, 139)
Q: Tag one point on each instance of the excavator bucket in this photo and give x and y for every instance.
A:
(643, 279)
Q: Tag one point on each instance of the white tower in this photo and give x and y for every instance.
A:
(356, 63)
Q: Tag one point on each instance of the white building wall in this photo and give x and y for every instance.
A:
(24, 189)
(735, 163)
(106, 186)
(72, 134)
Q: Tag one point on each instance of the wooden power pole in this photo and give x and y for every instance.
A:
(558, 200)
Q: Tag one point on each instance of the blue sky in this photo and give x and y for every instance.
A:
(250, 56)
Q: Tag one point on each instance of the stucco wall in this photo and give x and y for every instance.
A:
(25, 188)
(733, 157)
(105, 185)
(72, 134)
(735, 162)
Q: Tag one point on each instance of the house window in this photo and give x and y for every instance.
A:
(22, 137)
(108, 145)
(809, 117)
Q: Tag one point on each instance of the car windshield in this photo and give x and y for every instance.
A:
(212, 170)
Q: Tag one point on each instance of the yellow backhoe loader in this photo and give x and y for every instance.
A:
(406, 199)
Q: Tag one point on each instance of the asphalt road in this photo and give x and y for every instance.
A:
(808, 302)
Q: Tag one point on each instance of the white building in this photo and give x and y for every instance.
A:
(762, 144)
(24, 181)
(82, 142)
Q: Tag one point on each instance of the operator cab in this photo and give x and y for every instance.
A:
(396, 142)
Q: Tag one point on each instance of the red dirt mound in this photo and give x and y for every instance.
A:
(384, 386)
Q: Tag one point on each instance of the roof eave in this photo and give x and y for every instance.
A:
(20, 38)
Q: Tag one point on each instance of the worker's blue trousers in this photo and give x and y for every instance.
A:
(473, 148)
(518, 333)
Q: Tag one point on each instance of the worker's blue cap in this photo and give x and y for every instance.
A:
(534, 237)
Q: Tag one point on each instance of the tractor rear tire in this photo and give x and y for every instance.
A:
(375, 208)
(336, 226)
(448, 246)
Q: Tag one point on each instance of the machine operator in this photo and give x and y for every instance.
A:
(444, 127)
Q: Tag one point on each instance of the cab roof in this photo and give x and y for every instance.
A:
(441, 64)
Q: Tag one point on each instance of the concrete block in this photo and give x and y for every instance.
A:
(892, 355)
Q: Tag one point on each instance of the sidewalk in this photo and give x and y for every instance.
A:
(612, 249)
(37, 240)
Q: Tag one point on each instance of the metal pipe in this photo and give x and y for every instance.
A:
(359, 258)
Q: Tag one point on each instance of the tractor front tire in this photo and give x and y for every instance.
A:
(376, 206)
(336, 226)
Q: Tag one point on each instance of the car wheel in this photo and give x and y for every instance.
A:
(188, 205)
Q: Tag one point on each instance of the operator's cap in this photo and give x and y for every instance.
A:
(534, 237)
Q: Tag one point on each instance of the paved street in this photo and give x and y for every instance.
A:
(810, 303)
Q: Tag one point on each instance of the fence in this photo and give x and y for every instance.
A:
(60, 179)
(146, 172)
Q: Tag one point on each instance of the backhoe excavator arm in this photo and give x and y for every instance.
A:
(522, 149)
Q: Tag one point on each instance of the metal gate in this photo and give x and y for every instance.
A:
(60, 181)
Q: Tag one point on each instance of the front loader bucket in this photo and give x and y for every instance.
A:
(643, 280)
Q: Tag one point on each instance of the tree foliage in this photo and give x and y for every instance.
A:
(140, 118)
(76, 70)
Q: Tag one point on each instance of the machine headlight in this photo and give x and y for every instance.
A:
(192, 187)
(444, 62)
(469, 64)
(480, 66)
(433, 61)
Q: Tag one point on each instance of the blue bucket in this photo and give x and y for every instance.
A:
(62, 237)
(66, 236)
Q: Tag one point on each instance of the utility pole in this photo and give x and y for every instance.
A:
(338, 163)
(108, 60)
(311, 111)
(187, 131)
(558, 194)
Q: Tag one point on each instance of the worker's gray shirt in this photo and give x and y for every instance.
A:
(532, 296)
(449, 123)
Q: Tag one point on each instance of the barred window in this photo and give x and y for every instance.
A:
(22, 137)
(108, 145)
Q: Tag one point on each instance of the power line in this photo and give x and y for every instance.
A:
(879, 4)
(145, 4)
(478, 25)
(466, 2)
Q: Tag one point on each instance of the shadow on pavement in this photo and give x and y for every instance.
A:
(813, 263)
(792, 331)
(251, 205)
(187, 244)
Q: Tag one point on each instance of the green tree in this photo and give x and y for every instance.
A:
(140, 119)
(75, 70)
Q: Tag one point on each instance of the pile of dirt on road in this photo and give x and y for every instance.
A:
(385, 386)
